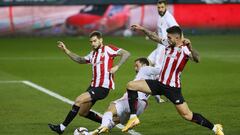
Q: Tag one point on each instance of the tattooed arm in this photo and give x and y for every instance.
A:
(72, 55)
(194, 56)
(152, 35)
(124, 56)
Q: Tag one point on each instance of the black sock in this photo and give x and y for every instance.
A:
(71, 115)
(199, 119)
(132, 101)
(94, 117)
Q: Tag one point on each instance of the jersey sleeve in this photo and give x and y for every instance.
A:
(171, 20)
(158, 25)
(88, 57)
(113, 50)
(147, 72)
(186, 50)
(155, 70)
(165, 42)
(140, 75)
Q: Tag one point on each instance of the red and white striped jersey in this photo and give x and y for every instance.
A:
(102, 62)
(174, 63)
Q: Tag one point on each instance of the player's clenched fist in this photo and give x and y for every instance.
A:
(135, 27)
(188, 43)
(114, 69)
(62, 46)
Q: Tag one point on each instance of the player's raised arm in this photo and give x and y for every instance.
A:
(194, 56)
(152, 35)
(72, 55)
(124, 56)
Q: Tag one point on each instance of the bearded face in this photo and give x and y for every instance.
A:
(162, 8)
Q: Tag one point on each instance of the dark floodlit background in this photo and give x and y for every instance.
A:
(80, 17)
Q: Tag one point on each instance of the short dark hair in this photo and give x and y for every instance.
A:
(162, 1)
(143, 60)
(175, 30)
(95, 33)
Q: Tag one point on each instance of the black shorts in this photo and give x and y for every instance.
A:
(97, 93)
(172, 93)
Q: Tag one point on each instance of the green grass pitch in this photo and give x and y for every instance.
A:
(210, 87)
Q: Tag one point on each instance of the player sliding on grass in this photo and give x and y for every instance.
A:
(101, 58)
(178, 52)
(119, 111)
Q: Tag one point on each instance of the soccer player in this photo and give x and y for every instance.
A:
(178, 52)
(119, 111)
(165, 20)
(101, 58)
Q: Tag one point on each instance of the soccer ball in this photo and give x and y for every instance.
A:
(81, 131)
(127, 33)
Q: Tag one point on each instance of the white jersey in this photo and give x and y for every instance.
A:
(163, 23)
(123, 110)
(102, 61)
(146, 72)
(174, 62)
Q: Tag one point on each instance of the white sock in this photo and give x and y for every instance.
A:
(132, 115)
(106, 119)
(111, 124)
(157, 96)
(214, 129)
(62, 127)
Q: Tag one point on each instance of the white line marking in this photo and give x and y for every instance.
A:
(66, 100)
(46, 91)
(10, 81)
(33, 58)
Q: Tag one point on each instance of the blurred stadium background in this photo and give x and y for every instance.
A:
(29, 30)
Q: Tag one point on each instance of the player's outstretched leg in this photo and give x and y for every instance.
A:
(56, 128)
(106, 125)
(159, 99)
(94, 117)
(83, 98)
(197, 118)
(218, 129)
(71, 115)
(133, 121)
(100, 130)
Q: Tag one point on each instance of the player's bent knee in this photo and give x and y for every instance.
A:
(112, 108)
(187, 116)
(83, 114)
(131, 85)
(78, 102)
(111, 105)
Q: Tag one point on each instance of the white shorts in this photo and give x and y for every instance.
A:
(156, 57)
(123, 110)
